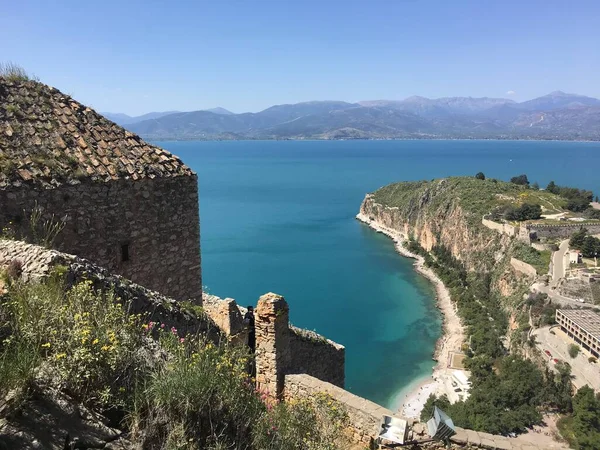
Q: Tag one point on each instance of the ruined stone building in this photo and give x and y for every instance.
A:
(128, 206)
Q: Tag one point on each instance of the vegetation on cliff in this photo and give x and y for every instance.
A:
(162, 390)
(508, 393)
(475, 196)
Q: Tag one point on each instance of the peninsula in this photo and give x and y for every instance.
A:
(487, 246)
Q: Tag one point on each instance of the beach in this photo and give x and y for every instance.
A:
(410, 404)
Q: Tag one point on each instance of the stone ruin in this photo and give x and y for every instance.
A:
(120, 202)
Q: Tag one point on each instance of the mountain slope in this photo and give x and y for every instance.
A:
(554, 116)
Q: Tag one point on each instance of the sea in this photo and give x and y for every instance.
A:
(279, 216)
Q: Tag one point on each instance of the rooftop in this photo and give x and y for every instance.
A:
(48, 138)
(586, 319)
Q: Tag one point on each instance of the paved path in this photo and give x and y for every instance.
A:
(583, 371)
(559, 263)
(595, 205)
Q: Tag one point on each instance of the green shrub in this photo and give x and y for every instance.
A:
(202, 398)
(86, 338)
(592, 360)
(574, 350)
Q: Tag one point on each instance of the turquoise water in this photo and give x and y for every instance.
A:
(279, 216)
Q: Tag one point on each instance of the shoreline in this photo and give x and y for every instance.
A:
(410, 404)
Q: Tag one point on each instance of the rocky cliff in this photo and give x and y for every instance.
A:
(432, 213)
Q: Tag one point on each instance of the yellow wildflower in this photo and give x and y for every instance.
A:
(61, 355)
(46, 345)
(95, 341)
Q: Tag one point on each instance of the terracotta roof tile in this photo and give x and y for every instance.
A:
(47, 137)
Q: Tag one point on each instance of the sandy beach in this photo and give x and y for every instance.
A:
(451, 339)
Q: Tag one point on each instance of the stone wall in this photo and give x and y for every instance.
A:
(523, 267)
(146, 230)
(562, 231)
(503, 228)
(364, 415)
(38, 263)
(228, 316)
(314, 355)
(282, 350)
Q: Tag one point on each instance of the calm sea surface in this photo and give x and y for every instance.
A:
(279, 216)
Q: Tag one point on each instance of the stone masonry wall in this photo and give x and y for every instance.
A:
(283, 350)
(38, 263)
(557, 231)
(314, 355)
(504, 228)
(365, 416)
(523, 267)
(155, 221)
(273, 354)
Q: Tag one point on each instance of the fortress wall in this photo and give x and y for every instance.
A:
(561, 231)
(282, 350)
(364, 416)
(315, 355)
(523, 267)
(146, 230)
(38, 263)
(503, 228)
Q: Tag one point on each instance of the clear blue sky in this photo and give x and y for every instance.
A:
(139, 56)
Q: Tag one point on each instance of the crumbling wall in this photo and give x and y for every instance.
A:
(283, 350)
(503, 228)
(364, 416)
(38, 263)
(523, 268)
(146, 230)
(315, 355)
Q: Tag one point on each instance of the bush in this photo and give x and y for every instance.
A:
(203, 398)
(183, 392)
(524, 212)
(480, 176)
(573, 350)
(87, 338)
(592, 360)
(520, 180)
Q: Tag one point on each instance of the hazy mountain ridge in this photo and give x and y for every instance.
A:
(554, 116)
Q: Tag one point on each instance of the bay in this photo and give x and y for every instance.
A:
(279, 216)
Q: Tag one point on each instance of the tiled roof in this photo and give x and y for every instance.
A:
(48, 138)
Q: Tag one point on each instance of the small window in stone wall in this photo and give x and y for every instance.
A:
(124, 252)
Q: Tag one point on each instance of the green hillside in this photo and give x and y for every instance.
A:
(476, 197)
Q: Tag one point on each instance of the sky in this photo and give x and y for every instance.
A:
(134, 57)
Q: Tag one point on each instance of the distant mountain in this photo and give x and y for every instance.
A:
(124, 119)
(556, 100)
(441, 107)
(219, 110)
(553, 116)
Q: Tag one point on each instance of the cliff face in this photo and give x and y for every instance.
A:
(445, 223)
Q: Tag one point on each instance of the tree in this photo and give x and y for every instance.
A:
(578, 239)
(480, 176)
(551, 187)
(586, 419)
(535, 186)
(427, 412)
(573, 350)
(596, 199)
(524, 212)
(520, 179)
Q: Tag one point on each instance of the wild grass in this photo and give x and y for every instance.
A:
(174, 391)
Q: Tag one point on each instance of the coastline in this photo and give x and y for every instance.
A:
(411, 404)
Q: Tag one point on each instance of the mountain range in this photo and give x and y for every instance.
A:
(557, 115)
